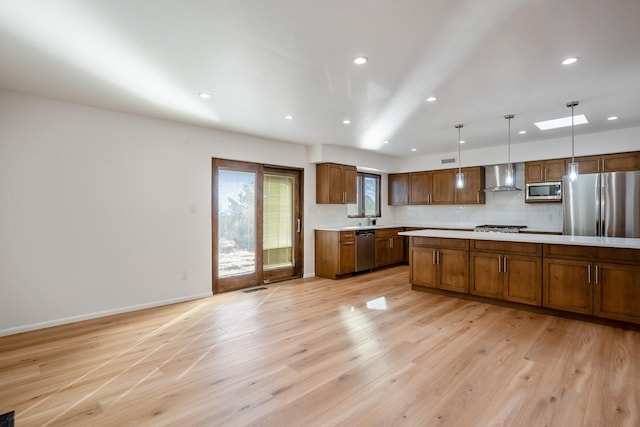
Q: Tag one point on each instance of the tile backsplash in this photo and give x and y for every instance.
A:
(500, 208)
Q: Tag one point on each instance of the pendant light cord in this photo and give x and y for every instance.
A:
(459, 152)
(509, 117)
(573, 160)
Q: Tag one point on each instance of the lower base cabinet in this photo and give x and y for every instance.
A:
(592, 286)
(594, 281)
(389, 247)
(507, 271)
(440, 263)
(335, 253)
(567, 285)
(617, 292)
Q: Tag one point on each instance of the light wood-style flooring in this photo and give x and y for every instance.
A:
(364, 351)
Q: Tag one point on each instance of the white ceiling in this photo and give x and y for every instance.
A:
(264, 59)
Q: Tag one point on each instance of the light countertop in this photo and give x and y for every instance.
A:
(357, 227)
(609, 242)
(437, 226)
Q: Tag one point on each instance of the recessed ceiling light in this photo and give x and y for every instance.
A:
(414, 149)
(204, 95)
(612, 118)
(522, 132)
(288, 117)
(432, 99)
(561, 122)
(386, 142)
(360, 60)
(346, 122)
(570, 61)
(462, 141)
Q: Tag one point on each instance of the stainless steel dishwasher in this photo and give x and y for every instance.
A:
(365, 249)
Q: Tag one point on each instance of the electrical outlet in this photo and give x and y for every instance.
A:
(192, 209)
(184, 275)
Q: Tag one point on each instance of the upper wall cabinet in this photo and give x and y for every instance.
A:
(398, 189)
(545, 170)
(431, 187)
(619, 162)
(335, 184)
(436, 187)
(474, 184)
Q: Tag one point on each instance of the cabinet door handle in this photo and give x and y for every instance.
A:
(438, 258)
(391, 243)
(433, 257)
(541, 174)
(588, 273)
(597, 274)
(299, 225)
(347, 243)
(506, 262)
(500, 264)
(545, 174)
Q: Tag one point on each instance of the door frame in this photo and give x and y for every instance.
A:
(257, 278)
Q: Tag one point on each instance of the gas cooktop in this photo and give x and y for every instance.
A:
(498, 228)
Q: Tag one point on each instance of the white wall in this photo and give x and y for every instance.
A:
(95, 209)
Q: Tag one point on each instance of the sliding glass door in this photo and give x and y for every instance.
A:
(257, 230)
(282, 225)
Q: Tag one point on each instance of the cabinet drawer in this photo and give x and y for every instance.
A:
(441, 243)
(387, 232)
(347, 236)
(510, 247)
(594, 253)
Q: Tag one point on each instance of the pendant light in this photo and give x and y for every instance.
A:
(459, 175)
(573, 166)
(508, 174)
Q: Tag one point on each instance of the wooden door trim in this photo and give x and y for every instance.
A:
(256, 279)
(235, 282)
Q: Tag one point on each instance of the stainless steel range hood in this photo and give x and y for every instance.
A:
(495, 178)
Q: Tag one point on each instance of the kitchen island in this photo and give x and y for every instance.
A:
(593, 276)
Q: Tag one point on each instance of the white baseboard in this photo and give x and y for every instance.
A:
(97, 314)
(307, 275)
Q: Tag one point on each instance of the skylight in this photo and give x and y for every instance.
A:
(561, 123)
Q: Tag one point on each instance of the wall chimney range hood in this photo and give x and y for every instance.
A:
(495, 178)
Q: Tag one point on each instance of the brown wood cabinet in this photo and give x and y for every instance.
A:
(389, 247)
(604, 282)
(567, 285)
(617, 291)
(443, 187)
(545, 170)
(473, 191)
(618, 162)
(506, 270)
(422, 188)
(335, 253)
(398, 186)
(335, 184)
(439, 263)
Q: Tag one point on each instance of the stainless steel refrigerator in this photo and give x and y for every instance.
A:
(602, 204)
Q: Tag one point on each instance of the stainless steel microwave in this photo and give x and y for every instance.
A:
(543, 191)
